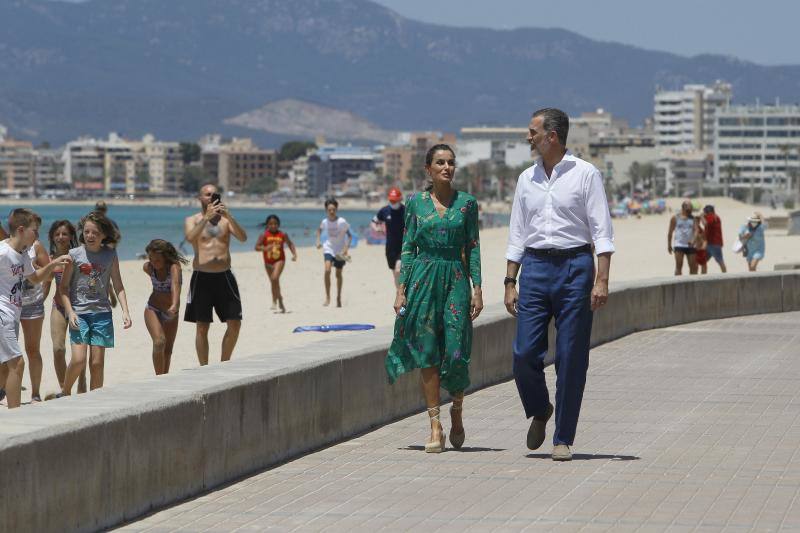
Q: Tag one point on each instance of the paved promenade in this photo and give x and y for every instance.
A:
(689, 428)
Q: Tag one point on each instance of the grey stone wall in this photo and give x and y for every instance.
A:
(91, 461)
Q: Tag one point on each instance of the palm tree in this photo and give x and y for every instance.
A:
(635, 174)
(731, 171)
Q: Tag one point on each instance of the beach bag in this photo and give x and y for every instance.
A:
(738, 246)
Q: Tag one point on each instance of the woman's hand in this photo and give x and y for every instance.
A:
(477, 303)
(399, 301)
(172, 311)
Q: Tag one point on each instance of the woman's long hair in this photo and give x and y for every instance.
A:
(167, 250)
(429, 160)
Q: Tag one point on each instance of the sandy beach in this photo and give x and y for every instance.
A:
(369, 291)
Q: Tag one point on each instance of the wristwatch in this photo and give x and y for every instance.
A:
(508, 280)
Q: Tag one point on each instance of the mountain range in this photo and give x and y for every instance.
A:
(182, 68)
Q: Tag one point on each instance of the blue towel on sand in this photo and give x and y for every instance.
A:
(334, 327)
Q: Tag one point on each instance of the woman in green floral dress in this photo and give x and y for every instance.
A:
(433, 329)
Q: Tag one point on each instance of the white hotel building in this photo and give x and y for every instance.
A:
(685, 119)
(763, 142)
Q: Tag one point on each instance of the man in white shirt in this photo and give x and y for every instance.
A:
(560, 210)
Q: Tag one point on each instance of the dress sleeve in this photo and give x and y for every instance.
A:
(409, 250)
(472, 249)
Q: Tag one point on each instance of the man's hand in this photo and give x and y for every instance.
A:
(599, 294)
(213, 211)
(669, 249)
(511, 298)
(126, 321)
(73, 321)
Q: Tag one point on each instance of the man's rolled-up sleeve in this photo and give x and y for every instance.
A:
(598, 214)
(516, 229)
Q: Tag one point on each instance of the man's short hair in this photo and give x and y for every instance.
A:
(331, 201)
(708, 209)
(554, 120)
(22, 217)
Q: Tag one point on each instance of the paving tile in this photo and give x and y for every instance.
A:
(689, 428)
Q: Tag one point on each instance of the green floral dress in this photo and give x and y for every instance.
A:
(436, 330)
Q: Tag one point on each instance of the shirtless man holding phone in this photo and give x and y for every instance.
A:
(213, 285)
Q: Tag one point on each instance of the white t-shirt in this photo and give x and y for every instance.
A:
(14, 267)
(337, 235)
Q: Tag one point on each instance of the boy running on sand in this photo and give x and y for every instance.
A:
(335, 247)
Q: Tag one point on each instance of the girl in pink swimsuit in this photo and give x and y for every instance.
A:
(161, 314)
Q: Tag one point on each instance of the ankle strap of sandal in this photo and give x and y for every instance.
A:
(433, 412)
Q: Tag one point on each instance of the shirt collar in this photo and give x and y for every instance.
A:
(568, 158)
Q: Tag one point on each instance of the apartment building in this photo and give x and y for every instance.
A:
(685, 119)
(120, 166)
(757, 146)
(16, 167)
(400, 161)
(331, 167)
(48, 170)
(236, 164)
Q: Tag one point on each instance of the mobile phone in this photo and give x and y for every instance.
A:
(215, 198)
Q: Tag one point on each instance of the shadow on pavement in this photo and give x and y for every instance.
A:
(587, 456)
(416, 448)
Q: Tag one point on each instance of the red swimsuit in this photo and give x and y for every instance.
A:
(273, 247)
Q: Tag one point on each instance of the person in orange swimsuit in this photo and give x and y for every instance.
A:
(271, 244)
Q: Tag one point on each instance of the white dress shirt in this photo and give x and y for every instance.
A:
(567, 210)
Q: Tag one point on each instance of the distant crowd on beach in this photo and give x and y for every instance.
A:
(699, 238)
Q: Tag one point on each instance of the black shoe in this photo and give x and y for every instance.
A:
(536, 431)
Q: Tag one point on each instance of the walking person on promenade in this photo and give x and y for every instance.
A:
(62, 237)
(393, 218)
(271, 244)
(213, 285)
(434, 307)
(163, 266)
(32, 318)
(713, 234)
(334, 248)
(559, 211)
(683, 229)
(15, 268)
(701, 247)
(84, 295)
(752, 237)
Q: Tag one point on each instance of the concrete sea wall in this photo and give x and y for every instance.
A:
(92, 461)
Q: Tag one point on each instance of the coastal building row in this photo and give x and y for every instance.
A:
(121, 166)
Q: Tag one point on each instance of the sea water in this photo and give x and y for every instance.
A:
(140, 224)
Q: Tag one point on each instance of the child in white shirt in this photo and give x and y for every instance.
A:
(15, 267)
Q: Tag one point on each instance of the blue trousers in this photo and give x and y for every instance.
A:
(560, 287)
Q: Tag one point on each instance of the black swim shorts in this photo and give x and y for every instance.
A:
(392, 256)
(218, 291)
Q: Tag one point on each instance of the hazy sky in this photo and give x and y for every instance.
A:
(762, 31)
